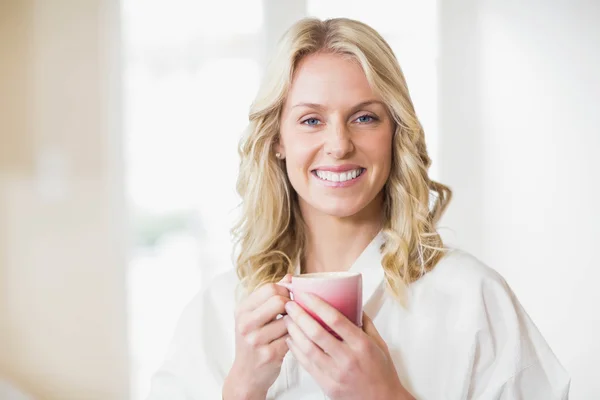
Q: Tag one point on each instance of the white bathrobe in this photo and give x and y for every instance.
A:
(462, 335)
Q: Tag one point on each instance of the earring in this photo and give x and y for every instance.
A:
(278, 155)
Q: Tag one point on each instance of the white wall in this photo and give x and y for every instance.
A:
(63, 321)
(520, 132)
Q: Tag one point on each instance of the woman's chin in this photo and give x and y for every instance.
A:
(340, 210)
(336, 206)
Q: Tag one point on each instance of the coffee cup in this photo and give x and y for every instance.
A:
(341, 290)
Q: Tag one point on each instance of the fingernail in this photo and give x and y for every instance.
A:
(288, 341)
(289, 306)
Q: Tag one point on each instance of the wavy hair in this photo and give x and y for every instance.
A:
(270, 234)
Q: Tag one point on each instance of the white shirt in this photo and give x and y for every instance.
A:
(462, 335)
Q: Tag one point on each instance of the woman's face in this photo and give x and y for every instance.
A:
(336, 137)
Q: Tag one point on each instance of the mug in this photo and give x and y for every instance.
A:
(341, 290)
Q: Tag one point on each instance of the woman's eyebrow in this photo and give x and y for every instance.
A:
(310, 105)
(322, 107)
(366, 103)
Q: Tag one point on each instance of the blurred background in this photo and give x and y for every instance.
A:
(119, 122)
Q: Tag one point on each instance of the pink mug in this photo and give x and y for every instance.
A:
(341, 290)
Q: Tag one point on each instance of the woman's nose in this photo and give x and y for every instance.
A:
(339, 142)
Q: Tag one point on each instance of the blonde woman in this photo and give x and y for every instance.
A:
(333, 177)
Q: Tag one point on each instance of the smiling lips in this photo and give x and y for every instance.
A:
(339, 176)
(343, 174)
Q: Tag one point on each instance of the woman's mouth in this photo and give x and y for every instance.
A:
(345, 176)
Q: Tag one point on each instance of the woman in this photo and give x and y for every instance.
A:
(334, 177)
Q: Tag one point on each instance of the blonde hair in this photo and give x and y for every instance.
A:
(270, 235)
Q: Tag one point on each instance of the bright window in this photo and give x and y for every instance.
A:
(191, 71)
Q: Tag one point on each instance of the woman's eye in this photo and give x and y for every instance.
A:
(311, 121)
(365, 119)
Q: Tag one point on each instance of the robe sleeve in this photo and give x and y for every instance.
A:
(513, 361)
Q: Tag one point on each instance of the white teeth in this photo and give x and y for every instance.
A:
(341, 177)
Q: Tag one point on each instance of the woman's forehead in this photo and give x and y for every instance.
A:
(331, 80)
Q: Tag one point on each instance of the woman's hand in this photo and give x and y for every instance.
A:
(260, 344)
(357, 367)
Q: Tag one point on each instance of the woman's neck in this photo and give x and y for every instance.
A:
(333, 244)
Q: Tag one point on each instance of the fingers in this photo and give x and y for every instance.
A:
(271, 354)
(306, 348)
(301, 357)
(266, 335)
(323, 379)
(270, 309)
(313, 330)
(280, 346)
(264, 314)
(261, 295)
(341, 325)
(272, 331)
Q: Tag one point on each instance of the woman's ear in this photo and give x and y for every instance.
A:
(279, 150)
